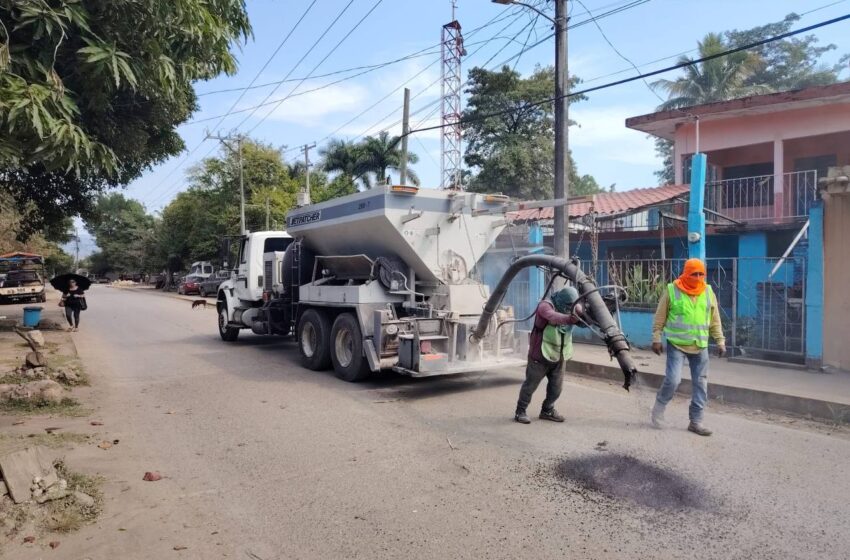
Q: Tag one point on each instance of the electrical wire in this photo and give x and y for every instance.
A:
(648, 74)
(223, 117)
(300, 60)
(616, 50)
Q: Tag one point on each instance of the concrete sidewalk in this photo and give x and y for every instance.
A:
(825, 396)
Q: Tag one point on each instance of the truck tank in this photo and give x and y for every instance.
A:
(439, 234)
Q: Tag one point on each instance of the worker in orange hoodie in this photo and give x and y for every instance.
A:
(687, 315)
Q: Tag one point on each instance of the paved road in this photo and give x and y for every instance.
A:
(264, 459)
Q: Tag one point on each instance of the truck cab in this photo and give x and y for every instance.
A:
(241, 296)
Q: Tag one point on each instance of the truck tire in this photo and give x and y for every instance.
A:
(346, 346)
(314, 340)
(227, 334)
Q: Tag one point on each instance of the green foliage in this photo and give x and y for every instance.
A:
(777, 66)
(357, 165)
(192, 225)
(713, 80)
(91, 92)
(513, 153)
(124, 232)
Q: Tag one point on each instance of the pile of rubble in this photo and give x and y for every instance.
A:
(29, 475)
(40, 384)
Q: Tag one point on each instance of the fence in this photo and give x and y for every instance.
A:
(752, 199)
(762, 315)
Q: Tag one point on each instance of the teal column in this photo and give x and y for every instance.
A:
(814, 289)
(536, 278)
(696, 216)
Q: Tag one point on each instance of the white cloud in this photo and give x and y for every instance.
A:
(604, 130)
(313, 108)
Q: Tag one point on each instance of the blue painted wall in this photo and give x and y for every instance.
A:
(814, 289)
(637, 325)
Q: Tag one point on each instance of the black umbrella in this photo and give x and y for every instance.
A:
(61, 282)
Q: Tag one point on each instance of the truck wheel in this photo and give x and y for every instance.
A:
(314, 340)
(347, 349)
(228, 334)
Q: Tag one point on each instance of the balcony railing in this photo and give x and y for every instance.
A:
(756, 199)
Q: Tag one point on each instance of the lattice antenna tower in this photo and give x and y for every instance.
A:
(450, 143)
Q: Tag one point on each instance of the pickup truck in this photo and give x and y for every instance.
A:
(22, 285)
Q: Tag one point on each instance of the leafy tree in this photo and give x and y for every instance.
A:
(513, 153)
(777, 66)
(194, 223)
(347, 159)
(91, 92)
(45, 243)
(340, 185)
(124, 231)
(713, 80)
(382, 153)
(788, 64)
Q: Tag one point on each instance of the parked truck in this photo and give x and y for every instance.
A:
(384, 280)
(22, 278)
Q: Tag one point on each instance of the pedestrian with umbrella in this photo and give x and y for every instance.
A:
(73, 287)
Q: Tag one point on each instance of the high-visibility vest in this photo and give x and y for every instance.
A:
(688, 319)
(557, 345)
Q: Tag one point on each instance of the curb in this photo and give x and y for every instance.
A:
(815, 408)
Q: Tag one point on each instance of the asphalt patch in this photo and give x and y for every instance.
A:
(624, 477)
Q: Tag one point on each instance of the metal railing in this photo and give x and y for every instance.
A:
(762, 315)
(753, 199)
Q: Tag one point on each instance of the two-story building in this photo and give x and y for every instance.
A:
(765, 241)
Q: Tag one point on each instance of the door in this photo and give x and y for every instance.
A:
(243, 291)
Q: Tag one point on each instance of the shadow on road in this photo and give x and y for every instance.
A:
(280, 358)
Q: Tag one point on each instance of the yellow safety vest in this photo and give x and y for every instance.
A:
(556, 345)
(687, 319)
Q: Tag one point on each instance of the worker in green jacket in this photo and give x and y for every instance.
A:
(687, 315)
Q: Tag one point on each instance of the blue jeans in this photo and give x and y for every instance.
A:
(673, 376)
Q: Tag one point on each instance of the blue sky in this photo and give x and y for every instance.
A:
(602, 146)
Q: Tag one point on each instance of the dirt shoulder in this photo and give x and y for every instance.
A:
(46, 407)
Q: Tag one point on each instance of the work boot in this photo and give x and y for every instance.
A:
(699, 429)
(656, 417)
(552, 415)
(522, 417)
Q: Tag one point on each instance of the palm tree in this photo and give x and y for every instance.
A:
(718, 79)
(382, 153)
(348, 159)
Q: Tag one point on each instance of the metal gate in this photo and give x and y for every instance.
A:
(762, 309)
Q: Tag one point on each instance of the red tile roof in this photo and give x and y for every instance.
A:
(608, 203)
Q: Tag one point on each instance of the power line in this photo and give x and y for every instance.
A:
(647, 74)
(256, 76)
(616, 50)
(300, 60)
(497, 18)
(618, 9)
(315, 43)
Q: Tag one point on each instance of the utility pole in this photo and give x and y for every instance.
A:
(405, 129)
(238, 151)
(562, 186)
(304, 196)
(267, 214)
(562, 121)
(76, 248)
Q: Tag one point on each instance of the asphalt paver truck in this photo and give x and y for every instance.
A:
(385, 280)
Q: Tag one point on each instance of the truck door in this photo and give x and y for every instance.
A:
(243, 289)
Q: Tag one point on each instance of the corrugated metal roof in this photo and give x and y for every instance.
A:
(608, 203)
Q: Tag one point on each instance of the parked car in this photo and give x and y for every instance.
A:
(209, 285)
(189, 285)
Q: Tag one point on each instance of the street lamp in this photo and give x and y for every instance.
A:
(561, 231)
